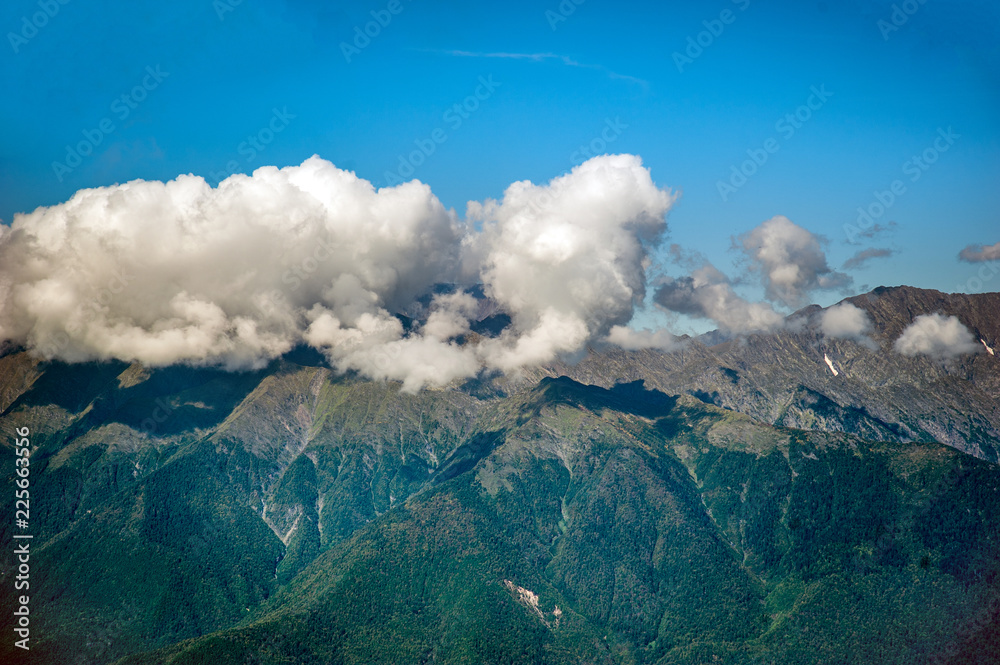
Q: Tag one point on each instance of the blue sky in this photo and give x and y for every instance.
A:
(218, 74)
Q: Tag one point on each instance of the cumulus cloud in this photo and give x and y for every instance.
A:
(861, 258)
(180, 272)
(790, 260)
(980, 253)
(846, 321)
(708, 293)
(376, 347)
(936, 336)
(567, 260)
(633, 340)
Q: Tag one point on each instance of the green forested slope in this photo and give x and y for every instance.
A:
(305, 517)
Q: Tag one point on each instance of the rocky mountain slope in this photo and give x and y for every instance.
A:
(626, 513)
(879, 394)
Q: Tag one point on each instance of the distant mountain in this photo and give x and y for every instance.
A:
(782, 378)
(732, 504)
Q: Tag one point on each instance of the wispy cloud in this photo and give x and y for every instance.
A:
(861, 259)
(543, 57)
(871, 232)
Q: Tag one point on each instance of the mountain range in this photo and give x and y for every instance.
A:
(782, 497)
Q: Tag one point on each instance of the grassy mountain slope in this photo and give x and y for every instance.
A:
(294, 515)
(664, 530)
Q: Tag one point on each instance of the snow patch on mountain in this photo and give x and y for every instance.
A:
(829, 363)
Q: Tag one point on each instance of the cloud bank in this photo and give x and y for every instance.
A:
(936, 336)
(180, 272)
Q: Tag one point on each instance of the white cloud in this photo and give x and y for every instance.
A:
(790, 260)
(846, 321)
(936, 336)
(980, 253)
(179, 272)
(708, 293)
(633, 340)
(567, 260)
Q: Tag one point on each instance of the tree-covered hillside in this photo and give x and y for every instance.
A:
(292, 515)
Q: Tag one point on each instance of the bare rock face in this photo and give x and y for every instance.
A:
(783, 377)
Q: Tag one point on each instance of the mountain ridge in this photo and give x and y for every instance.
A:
(297, 513)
